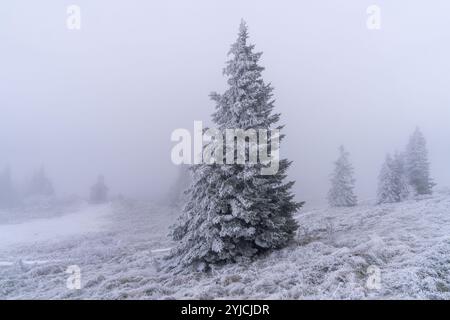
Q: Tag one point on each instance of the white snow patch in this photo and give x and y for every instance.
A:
(87, 219)
(161, 250)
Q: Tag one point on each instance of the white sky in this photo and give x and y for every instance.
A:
(106, 98)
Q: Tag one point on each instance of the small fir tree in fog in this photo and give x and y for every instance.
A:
(401, 174)
(99, 191)
(341, 193)
(7, 193)
(392, 184)
(40, 184)
(387, 192)
(417, 165)
(234, 213)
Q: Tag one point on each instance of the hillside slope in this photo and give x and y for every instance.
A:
(404, 248)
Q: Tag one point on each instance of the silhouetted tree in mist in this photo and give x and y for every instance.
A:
(99, 191)
(40, 184)
(8, 195)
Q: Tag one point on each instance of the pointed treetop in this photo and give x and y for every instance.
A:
(241, 41)
(343, 152)
(243, 30)
(418, 133)
(247, 103)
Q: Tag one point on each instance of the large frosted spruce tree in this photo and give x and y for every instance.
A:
(234, 213)
(417, 165)
(342, 182)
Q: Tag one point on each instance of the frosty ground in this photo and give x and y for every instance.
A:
(120, 248)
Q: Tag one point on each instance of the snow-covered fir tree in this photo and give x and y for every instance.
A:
(417, 165)
(99, 191)
(40, 184)
(386, 182)
(341, 193)
(392, 186)
(7, 192)
(234, 213)
(392, 183)
(400, 171)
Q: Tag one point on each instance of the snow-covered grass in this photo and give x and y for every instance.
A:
(332, 258)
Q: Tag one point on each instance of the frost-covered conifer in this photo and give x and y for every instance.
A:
(387, 183)
(234, 213)
(417, 165)
(341, 193)
(401, 174)
(392, 184)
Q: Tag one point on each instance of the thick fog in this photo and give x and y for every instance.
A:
(105, 99)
